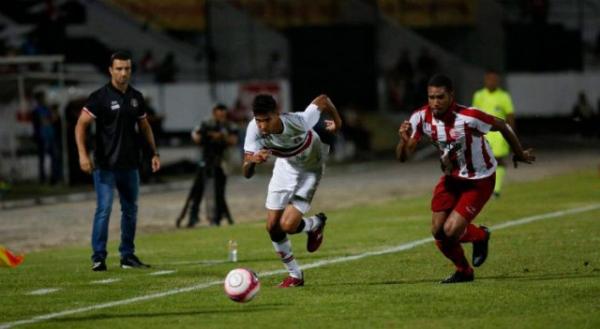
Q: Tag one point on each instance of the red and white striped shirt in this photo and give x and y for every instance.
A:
(459, 137)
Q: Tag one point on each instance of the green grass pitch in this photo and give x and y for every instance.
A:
(542, 274)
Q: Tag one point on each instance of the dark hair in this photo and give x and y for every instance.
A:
(220, 106)
(120, 55)
(440, 80)
(490, 70)
(264, 104)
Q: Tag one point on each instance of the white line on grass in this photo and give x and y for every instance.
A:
(43, 291)
(205, 285)
(197, 262)
(162, 272)
(106, 281)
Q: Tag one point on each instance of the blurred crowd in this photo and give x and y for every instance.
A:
(48, 35)
(407, 80)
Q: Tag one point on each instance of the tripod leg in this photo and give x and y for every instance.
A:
(186, 205)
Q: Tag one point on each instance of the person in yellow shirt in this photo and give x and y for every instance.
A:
(495, 101)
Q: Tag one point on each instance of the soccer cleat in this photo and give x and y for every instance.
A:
(480, 248)
(315, 238)
(459, 277)
(132, 261)
(99, 266)
(290, 281)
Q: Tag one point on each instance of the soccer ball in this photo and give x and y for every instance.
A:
(241, 285)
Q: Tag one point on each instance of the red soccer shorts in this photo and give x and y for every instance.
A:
(465, 196)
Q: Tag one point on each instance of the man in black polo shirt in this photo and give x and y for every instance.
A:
(116, 108)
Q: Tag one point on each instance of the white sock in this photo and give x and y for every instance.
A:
(284, 250)
(311, 223)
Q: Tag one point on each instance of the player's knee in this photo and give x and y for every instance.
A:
(452, 232)
(275, 231)
(273, 227)
(289, 225)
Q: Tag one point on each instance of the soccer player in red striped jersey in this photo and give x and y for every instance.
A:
(469, 170)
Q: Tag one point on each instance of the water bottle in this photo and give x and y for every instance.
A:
(233, 256)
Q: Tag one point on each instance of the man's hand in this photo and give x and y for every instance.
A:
(196, 137)
(251, 160)
(527, 157)
(259, 157)
(155, 163)
(330, 126)
(405, 131)
(86, 164)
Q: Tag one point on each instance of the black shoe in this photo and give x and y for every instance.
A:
(459, 277)
(132, 261)
(480, 249)
(99, 266)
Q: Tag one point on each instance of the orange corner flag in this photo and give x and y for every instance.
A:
(8, 259)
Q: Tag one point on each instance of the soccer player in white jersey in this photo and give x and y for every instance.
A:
(298, 169)
(469, 170)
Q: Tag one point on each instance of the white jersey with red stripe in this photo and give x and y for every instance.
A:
(459, 138)
(298, 144)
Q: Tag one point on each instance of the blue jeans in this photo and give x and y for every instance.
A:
(127, 182)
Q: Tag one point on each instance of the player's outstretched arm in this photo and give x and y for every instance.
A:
(251, 160)
(406, 146)
(326, 106)
(520, 155)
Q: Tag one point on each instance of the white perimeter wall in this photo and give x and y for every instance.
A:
(551, 94)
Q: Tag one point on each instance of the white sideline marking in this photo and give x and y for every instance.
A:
(197, 262)
(106, 281)
(42, 292)
(162, 272)
(205, 285)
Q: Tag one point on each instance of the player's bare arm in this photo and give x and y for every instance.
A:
(251, 160)
(520, 155)
(326, 106)
(406, 146)
(510, 119)
(147, 132)
(83, 123)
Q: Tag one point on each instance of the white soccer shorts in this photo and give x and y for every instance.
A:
(290, 185)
